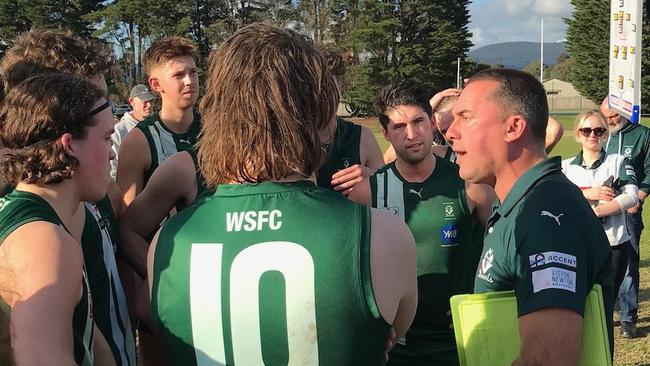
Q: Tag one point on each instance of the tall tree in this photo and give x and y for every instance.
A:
(533, 68)
(588, 45)
(124, 23)
(17, 16)
(419, 39)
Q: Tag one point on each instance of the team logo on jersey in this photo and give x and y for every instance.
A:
(627, 151)
(184, 141)
(485, 265)
(449, 210)
(346, 162)
(393, 210)
(418, 193)
(449, 235)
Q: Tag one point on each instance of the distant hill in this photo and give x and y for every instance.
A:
(517, 55)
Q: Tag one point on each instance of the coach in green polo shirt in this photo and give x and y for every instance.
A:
(543, 241)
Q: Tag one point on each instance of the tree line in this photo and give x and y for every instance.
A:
(372, 41)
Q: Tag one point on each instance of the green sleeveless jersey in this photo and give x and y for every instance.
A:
(256, 274)
(450, 155)
(6, 190)
(164, 143)
(110, 310)
(19, 208)
(344, 152)
(436, 211)
(201, 188)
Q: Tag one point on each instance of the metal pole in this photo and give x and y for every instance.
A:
(541, 57)
(458, 73)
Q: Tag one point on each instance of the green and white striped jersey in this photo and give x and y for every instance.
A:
(19, 208)
(98, 241)
(163, 143)
(437, 213)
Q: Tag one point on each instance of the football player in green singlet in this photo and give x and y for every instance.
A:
(254, 274)
(57, 130)
(42, 51)
(440, 209)
(170, 64)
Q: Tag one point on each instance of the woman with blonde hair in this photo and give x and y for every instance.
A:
(608, 182)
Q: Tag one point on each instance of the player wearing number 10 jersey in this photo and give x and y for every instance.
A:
(271, 269)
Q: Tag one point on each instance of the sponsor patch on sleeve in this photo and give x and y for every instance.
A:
(554, 278)
(541, 259)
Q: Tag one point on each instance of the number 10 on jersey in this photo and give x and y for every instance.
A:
(295, 264)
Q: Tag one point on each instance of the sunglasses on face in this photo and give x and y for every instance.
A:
(598, 131)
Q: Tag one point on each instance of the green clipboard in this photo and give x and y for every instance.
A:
(487, 330)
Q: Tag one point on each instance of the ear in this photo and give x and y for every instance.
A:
(68, 144)
(515, 127)
(154, 84)
(384, 131)
(434, 126)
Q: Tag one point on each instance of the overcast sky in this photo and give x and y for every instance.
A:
(495, 21)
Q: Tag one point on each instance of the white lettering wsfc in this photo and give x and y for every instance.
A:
(253, 220)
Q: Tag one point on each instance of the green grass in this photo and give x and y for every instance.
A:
(626, 351)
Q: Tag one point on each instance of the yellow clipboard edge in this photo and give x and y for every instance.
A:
(456, 300)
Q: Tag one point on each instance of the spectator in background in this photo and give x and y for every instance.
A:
(632, 141)
(608, 182)
(141, 100)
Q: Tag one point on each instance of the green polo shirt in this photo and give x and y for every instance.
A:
(633, 142)
(545, 243)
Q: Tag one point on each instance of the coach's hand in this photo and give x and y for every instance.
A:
(599, 193)
(346, 179)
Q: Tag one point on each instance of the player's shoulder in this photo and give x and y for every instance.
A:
(389, 228)
(552, 190)
(149, 121)
(385, 168)
(41, 237)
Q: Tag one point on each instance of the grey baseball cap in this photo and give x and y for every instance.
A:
(142, 92)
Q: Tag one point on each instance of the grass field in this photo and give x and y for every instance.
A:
(626, 351)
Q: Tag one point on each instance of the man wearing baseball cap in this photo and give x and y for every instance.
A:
(141, 100)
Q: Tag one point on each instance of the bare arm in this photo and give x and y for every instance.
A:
(103, 356)
(627, 199)
(480, 198)
(554, 132)
(393, 267)
(150, 257)
(438, 97)
(389, 155)
(134, 158)
(369, 150)
(115, 196)
(346, 179)
(362, 193)
(549, 336)
(47, 262)
(173, 182)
